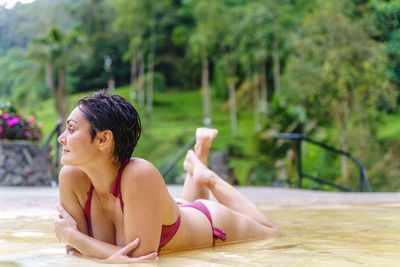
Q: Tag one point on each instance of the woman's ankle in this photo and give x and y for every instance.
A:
(202, 154)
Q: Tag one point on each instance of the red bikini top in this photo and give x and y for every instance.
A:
(167, 231)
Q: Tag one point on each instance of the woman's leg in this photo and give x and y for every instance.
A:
(226, 194)
(191, 190)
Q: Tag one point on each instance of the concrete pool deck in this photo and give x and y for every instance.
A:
(42, 200)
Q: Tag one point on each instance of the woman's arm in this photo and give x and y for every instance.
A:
(67, 232)
(71, 225)
(142, 191)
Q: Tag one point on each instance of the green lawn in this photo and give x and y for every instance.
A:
(390, 128)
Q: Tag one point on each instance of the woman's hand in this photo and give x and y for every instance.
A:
(121, 255)
(64, 225)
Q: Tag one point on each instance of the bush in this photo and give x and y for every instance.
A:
(7, 107)
(282, 118)
(14, 127)
(263, 174)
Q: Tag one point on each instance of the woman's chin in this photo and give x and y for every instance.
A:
(65, 161)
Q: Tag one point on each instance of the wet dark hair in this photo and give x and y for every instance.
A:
(114, 113)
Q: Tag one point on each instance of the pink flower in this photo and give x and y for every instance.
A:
(1, 112)
(26, 133)
(6, 116)
(31, 119)
(12, 122)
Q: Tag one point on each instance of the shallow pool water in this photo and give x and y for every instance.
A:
(319, 236)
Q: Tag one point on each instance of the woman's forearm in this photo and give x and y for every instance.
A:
(67, 231)
(91, 247)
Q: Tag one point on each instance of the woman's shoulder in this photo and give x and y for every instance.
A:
(141, 171)
(73, 178)
(138, 165)
(73, 183)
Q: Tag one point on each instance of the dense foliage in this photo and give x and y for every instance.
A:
(329, 65)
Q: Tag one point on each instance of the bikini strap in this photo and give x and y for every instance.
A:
(87, 210)
(116, 189)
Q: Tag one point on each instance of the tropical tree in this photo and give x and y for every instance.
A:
(338, 71)
(55, 52)
(104, 66)
(253, 55)
(386, 19)
(202, 42)
(229, 55)
(19, 78)
(142, 21)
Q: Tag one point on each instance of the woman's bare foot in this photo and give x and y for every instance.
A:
(196, 188)
(202, 176)
(204, 137)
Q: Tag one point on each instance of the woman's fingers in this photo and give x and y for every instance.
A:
(121, 256)
(146, 258)
(128, 248)
(152, 256)
(62, 211)
(64, 223)
(65, 218)
(57, 222)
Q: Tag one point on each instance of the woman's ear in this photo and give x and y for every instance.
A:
(104, 139)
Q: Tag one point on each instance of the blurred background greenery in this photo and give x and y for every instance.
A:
(327, 69)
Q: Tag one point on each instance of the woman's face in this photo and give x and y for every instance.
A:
(78, 147)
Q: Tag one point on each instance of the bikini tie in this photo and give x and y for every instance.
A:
(219, 234)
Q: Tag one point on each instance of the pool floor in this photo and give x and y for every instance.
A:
(316, 234)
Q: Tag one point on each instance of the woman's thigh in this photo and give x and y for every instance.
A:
(237, 226)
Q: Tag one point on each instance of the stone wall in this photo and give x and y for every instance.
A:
(25, 164)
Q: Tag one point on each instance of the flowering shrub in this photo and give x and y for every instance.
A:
(14, 127)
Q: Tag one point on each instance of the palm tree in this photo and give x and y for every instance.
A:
(57, 51)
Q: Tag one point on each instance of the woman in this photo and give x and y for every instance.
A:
(110, 201)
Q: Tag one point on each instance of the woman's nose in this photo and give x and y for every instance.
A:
(61, 139)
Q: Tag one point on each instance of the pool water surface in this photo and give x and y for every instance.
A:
(319, 235)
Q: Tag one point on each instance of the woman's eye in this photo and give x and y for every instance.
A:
(70, 129)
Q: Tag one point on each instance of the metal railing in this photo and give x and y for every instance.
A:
(175, 160)
(46, 146)
(363, 181)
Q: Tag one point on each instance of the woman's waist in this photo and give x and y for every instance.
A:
(194, 231)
